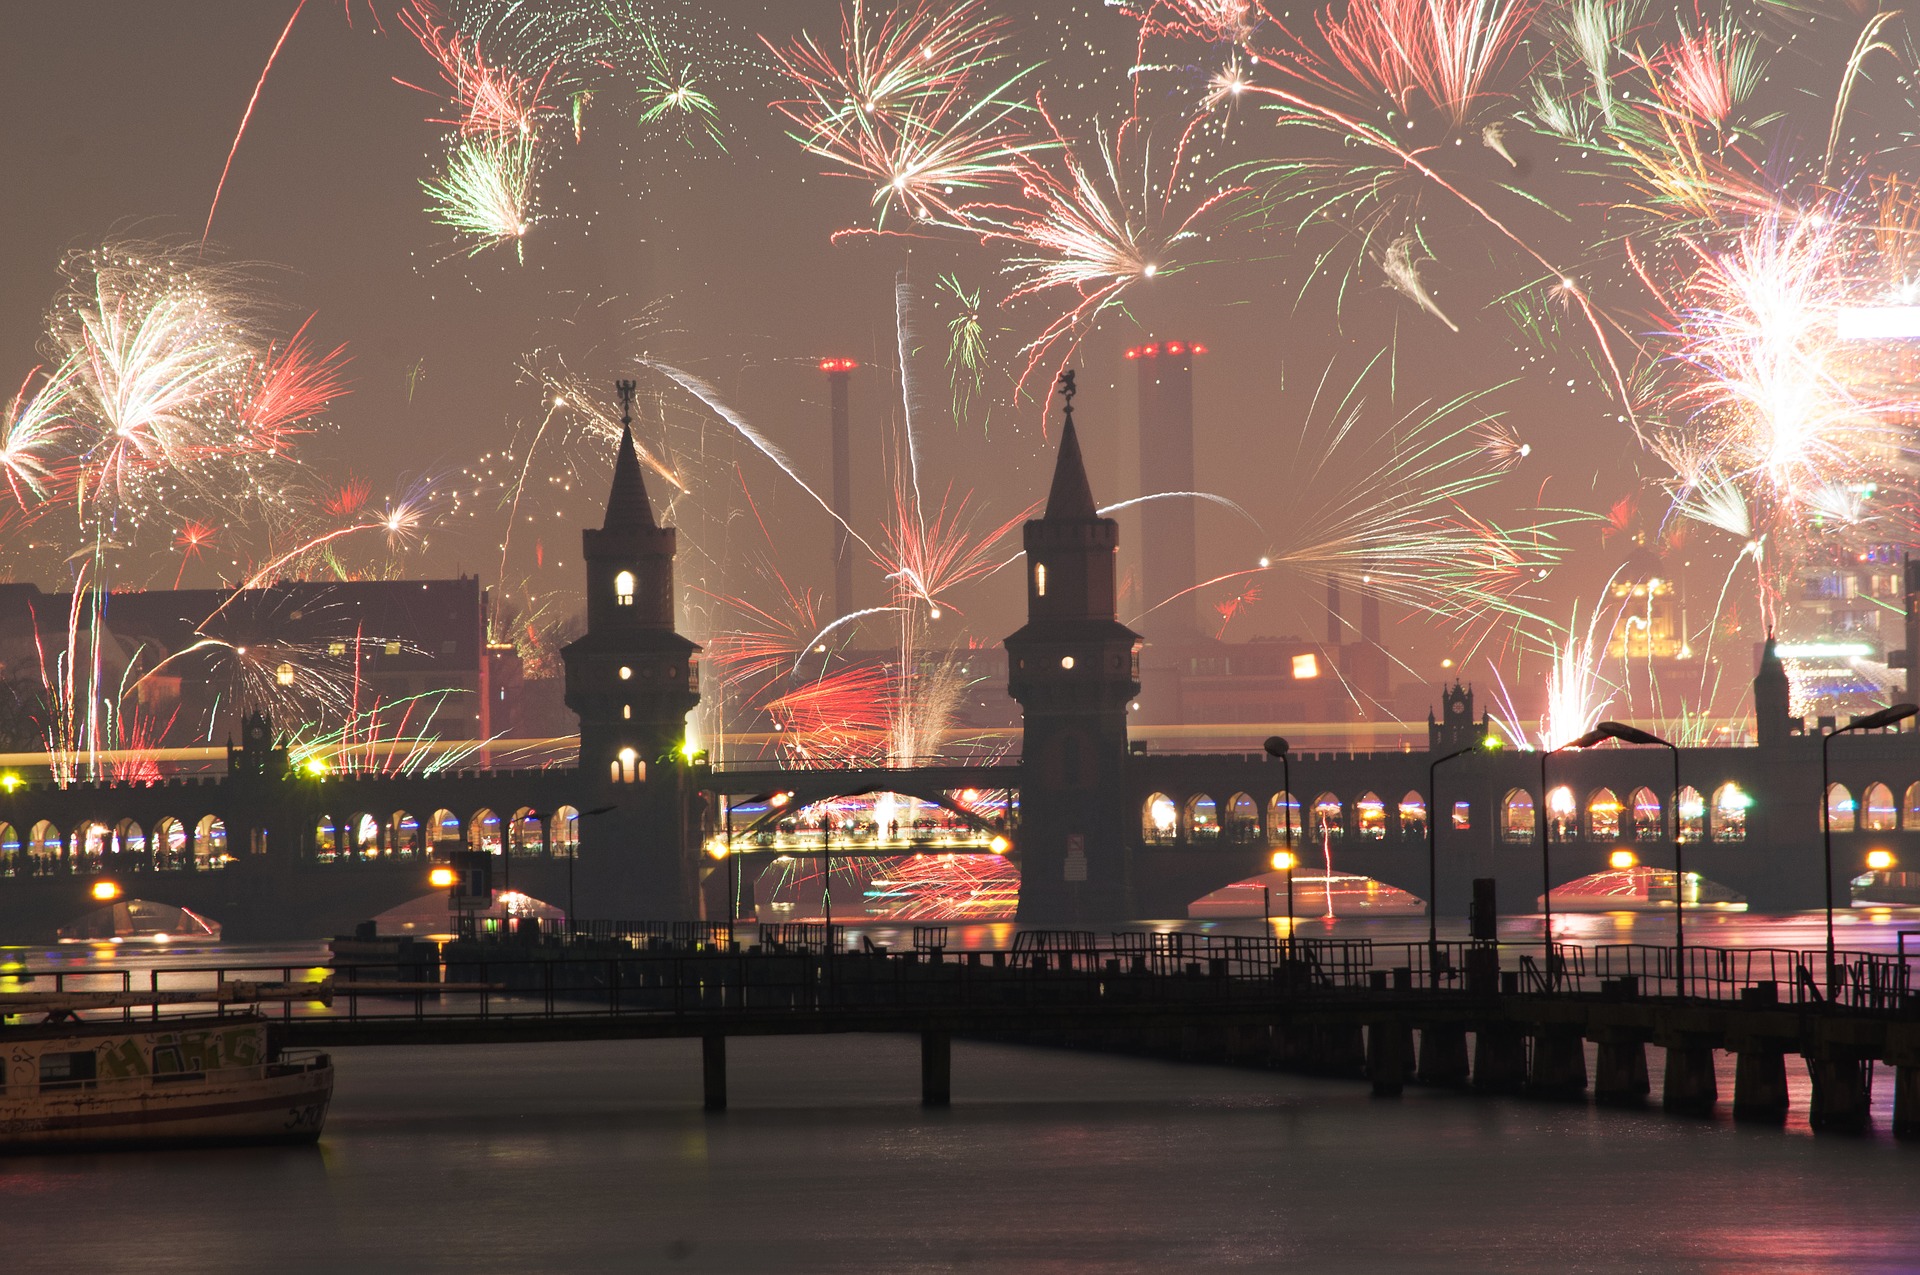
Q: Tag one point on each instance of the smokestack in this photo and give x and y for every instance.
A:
(1169, 556)
(839, 374)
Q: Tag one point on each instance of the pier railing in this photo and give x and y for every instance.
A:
(692, 969)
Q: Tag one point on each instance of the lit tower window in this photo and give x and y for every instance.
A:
(623, 589)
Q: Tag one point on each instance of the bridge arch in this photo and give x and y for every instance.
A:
(1877, 812)
(326, 839)
(129, 839)
(1563, 814)
(1370, 817)
(45, 848)
(526, 834)
(563, 833)
(1910, 808)
(1730, 813)
(1413, 815)
(86, 846)
(360, 835)
(10, 851)
(1603, 815)
(1516, 817)
(1328, 817)
(210, 842)
(1200, 820)
(1692, 815)
(1241, 822)
(1840, 809)
(483, 831)
(1649, 821)
(403, 834)
(170, 845)
(1283, 819)
(1159, 820)
(445, 830)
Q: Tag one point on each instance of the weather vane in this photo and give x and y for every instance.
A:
(626, 389)
(1067, 391)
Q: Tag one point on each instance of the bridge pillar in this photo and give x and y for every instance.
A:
(1760, 1085)
(713, 1071)
(1559, 1065)
(1335, 1049)
(936, 1069)
(1620, 1070)
(1906, 1101)
(1389, 1056)
(1499, 1059)
(1689, 1087)
(1841, 1082)
(1443, 1055)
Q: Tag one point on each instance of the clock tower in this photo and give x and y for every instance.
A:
(632, 680)
(1074, 668)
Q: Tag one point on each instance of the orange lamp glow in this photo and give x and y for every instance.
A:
(441, 877)
(1284, 860)
(1621, 860)
(105, 891)
(1880, 860)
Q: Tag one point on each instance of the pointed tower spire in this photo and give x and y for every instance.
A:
(1071, 496)
(628, 508)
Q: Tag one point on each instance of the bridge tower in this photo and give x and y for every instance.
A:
(632, 680)
(1074, 668)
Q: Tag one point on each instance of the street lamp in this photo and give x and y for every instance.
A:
(1276, 746)
(1489, 742)
(1872, 721)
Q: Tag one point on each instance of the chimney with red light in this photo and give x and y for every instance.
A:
(839, 374)
(1169, 554)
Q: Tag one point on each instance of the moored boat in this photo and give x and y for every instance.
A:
(195, 1079)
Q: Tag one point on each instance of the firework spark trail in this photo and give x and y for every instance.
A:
(485, 193)
(247, 115)
(1403, 271)
(31, 432)
(897, 105)
(904, 346)
(494, 101)
(1211, 497)
(711, 397)
(1086, 233)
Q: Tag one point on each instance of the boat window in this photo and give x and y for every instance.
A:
(67, 1070)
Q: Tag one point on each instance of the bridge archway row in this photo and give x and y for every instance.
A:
(92, 846)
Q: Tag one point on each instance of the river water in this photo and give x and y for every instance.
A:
(598, 1158)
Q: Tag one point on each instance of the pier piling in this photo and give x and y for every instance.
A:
(1760, 1086)
(713, 1071)
(936, 1069)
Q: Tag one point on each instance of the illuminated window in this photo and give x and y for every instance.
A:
(626, 712)
(336, 648)
(1327, 818)
(628, 768)
(1305, 666)
(1370, 816)
(1648, 822)
(1516, 817)
(1242, 821)
(625, 673)
(1462, 816)
(1158, 818)
(1066, 661)
(1040, 579)
(284, 675)
(1730, 813)
(1839, 808)
(1563, 814)
(1203, 818)
(1877, 813)
(1693, 814)
(1603, 815)
(623, 589)
(1283, 819)
(1413, 816)
(392, 648)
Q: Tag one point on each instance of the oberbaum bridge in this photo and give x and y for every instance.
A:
(1102, 836)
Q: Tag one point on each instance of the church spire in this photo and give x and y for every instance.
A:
(1071, 496)
(628, 508)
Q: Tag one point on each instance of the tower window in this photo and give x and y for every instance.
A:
(1040, 579)
(625, 673)
(623, 589)
(628, 768)
(1066, 661)
(626, 712)
(284, 675)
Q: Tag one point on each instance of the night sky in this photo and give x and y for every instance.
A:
(122, 115)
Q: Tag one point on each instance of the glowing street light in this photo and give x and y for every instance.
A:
(105, 891)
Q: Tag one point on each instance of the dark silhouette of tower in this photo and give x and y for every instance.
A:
(839, 375)
(1073, 667)
(1169, 554)
(632, 680)
(1772, 699)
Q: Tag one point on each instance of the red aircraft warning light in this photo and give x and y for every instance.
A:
(838, 365)
(1172, 348)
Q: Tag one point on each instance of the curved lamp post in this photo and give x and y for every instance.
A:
(1872, 721)
(1634, 735)
(1490, 743)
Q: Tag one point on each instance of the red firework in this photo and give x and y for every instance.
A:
(493, 101)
